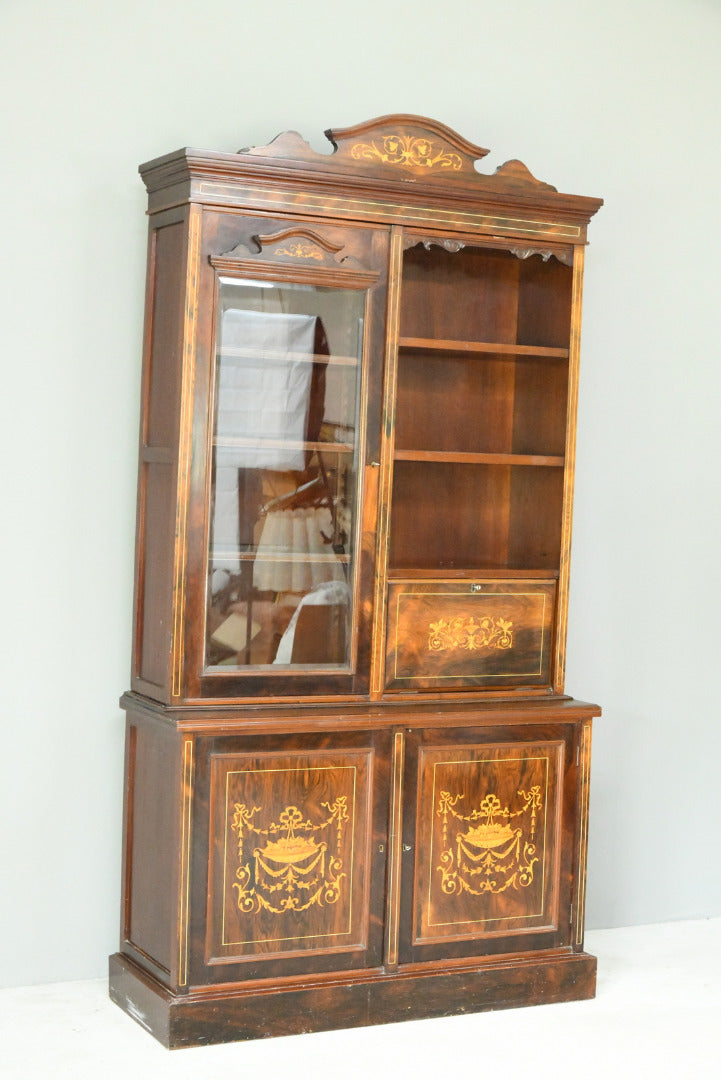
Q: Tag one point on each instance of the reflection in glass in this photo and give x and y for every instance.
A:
(284, 474)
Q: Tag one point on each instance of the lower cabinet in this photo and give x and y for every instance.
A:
(417, 863)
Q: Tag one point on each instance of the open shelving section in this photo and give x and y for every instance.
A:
(480, 411)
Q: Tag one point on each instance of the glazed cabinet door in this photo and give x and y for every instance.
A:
(261, 545)
(295, 834)
(488, 840)
(289, 529)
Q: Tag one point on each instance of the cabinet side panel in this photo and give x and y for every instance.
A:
(158, 456)
(157, 488)
(163, 377)
(574, 360)
(579, 904)
(152, 845)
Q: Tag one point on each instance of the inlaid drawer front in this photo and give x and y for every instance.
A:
(485, 633)
(487, 841)
(289, 851)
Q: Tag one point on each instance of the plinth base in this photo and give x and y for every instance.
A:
(263, 1011)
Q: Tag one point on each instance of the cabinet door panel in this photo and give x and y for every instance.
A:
(447, 635)
(488, 840)
(290, 857)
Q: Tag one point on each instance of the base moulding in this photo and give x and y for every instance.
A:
(227, 1015)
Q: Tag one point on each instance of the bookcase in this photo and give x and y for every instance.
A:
(356, 790)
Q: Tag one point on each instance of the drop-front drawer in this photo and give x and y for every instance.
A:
(452, 634)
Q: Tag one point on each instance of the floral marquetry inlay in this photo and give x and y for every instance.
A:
(469, 633)
(408, 151)
(296, 863)
(300, 251)
(497, 850)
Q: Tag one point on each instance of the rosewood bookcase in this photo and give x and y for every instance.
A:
(356, 790)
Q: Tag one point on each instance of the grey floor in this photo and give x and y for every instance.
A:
(657, 1014)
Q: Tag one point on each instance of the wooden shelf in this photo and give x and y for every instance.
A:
(279, 557)
(477, 573)
(419, 344)
(281, 356)
(233, 442)
(462, 458)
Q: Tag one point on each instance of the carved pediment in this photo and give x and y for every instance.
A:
(407, 144)
(402, 147)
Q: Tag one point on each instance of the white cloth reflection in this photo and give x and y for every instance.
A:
(332, 592)
(264, 385)
(292, 555)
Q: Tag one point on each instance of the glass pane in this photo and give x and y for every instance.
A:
(283, 499)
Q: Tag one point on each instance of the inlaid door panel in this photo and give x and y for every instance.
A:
(487, 839)
(450, 634)
(290, 858)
